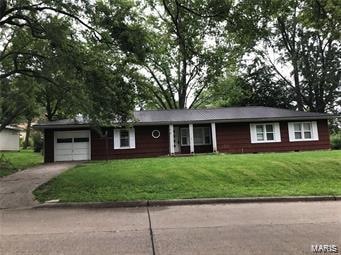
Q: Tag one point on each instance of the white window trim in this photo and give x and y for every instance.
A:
(276, 131)
(314, 131)
(116, 137)
(196, 144)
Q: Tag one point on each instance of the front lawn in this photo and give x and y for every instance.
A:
(272, 174)
(11, 162)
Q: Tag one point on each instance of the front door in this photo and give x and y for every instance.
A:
(177, 147)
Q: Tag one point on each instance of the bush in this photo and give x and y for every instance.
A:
(37, 141)
(5, 164)
(336, 141)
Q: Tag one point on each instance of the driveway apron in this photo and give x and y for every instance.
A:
(16, 189)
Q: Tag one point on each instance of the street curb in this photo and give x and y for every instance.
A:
(122, 204)
(241, 200)
(200, 201)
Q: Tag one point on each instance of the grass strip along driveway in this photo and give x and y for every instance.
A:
(222, 175)
(12, 162)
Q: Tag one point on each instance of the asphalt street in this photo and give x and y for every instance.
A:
(254, 228)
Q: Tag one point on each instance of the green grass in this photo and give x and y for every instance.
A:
(16, 161)
(272, 174)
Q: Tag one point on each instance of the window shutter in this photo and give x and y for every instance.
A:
(315, 132)
(132, 138)
(277, 130)
(116, 138)
(291, 131)
(253, 133)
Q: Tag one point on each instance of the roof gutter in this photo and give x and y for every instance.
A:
(269, 119)
(56, 126)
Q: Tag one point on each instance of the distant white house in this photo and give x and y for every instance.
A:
(9, 139)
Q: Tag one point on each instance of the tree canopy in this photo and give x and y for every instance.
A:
(102, 59)
(68, 66)
(301, 47)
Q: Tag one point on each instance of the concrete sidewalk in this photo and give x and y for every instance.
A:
(263, 228)
(16, 189)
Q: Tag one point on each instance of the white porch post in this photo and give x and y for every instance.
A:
(191, 138)
(214, 137)
(171, 139)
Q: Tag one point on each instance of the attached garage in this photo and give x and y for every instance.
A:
(72, 145)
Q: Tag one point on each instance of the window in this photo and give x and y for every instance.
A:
(64, 140)
(156, 134)
(81, 140)
(298, 130)
(265, 133)
(184, 136)
(260, 132)
(302, 131)
(124, 138)
(202, 136)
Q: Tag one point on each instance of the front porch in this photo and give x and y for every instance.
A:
(192, 138)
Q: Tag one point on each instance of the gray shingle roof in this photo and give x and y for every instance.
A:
(223, 114)
(228, 114)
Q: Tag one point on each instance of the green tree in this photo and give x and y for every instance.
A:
(53, 68)
(31, 16)
(258, 87)
(22, 23)
(305, 37)
(293, 49)
(16, 96)
(185, 54)
(74, 70)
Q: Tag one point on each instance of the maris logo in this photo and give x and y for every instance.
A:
(324, 248)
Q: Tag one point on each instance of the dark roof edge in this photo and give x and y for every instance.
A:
(298, 118)
(222, 108)
(51, 126)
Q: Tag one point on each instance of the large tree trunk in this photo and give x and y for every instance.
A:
(28, 132)
(106, 145)
(183, 85)
(48, 110)
(298, 92)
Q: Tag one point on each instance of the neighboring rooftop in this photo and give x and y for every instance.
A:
(228, 114)
(14, 128)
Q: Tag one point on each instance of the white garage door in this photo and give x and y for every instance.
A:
(72, 145)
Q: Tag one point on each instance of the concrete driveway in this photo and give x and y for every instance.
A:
(264, 228)
(16, 189)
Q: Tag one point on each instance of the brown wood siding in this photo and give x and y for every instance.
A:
(146, 145)
(235, 138)
(48, 146)
(231, 138)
